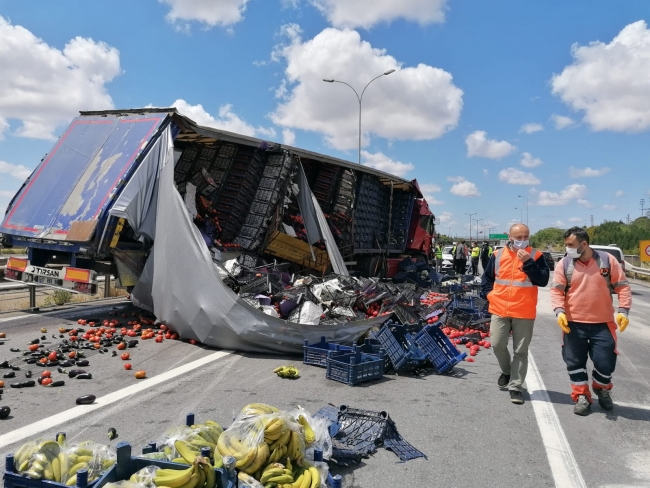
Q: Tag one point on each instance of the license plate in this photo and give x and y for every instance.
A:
(48, 281)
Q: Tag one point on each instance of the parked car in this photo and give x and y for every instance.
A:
(447, 259)
(549, 260)
(614, 250)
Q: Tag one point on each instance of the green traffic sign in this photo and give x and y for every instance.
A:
(498, 236)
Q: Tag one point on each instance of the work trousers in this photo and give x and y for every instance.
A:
(438, 264)
(522, 333)
(461, 266)
(484, 262)
(594, 341)
(474, 266)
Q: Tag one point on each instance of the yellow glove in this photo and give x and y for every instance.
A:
(563, 322)
(622, 321)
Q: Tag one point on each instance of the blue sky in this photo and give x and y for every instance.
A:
(488, 101)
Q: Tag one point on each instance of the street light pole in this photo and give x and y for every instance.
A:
(521, 217)
(477, 221)
(470, 223)
(359, 98)
(524, 196)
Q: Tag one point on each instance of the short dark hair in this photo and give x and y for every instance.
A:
(580, 233)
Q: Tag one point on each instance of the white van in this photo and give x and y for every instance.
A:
(615, 251)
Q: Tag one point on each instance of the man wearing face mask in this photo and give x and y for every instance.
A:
(510, 283)
(581, 296)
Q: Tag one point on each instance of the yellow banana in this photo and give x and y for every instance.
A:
(77, 467)
(298, 482)
(306, 480)
(174, 478)
(272, 473)
(210, 476)
(315, 477)
(218, 459)
(84, 459)
(184, 451)
(261, 458)
(310, 436)
(194, 480)
(282, 440)
(202, 476)
(72, 481)
(56, 469)
(281, 479)
(247, 459)
(180, 460)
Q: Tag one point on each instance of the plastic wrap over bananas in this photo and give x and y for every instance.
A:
(57, 461)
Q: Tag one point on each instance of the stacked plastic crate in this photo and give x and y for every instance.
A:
(326, 185)
(402, 208)
(263, 202)
(238, 189)
(371, 214)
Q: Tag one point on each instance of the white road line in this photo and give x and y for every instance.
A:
(638, 406)
(564, 467)
(14, 318)
(50, 422)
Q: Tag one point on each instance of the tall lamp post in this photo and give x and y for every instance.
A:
(477, 221)
(359, 98)
(521, 217)
(524, 196)
(470, 223)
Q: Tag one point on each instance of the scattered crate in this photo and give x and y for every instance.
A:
(400, 347)
(317, 354)
(355, 367)
(438, 349)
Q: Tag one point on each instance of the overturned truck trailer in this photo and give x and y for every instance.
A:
(162, 204)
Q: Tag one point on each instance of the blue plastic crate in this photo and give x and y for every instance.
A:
(400, 347)
(355, 367)
(439, 349)
(317, 354)
(127, 465)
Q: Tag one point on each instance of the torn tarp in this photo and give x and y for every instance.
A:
(188, 294)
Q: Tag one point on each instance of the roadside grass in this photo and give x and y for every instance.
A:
(45, 298)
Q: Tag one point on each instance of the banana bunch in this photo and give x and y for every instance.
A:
(277, 475)
(41, 461)
(200, 474)
(255, 410)
(145, 476)
(310, 435)
(290, 372)
(87, 455)
(194, 438)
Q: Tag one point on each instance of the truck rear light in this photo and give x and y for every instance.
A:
(77, 274)
(81, 287)
(17, 264)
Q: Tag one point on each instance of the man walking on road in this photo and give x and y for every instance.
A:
(510, 284)
(581, 296)
(438, 258)
(461, 258)
(476, 252)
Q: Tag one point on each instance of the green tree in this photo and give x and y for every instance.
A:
(551, 237)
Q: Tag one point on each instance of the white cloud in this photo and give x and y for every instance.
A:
(43, 87)
(444, 218)
(455, 178)
(528, 161)
(478, 145)
(16, 170)
(413, 103)
(6, 194)
(575, 219)
(561, 121)
(619, 193)
(585, 203)
(465, 189)
(531, 128)
(587, 172)
(486, 173)
(609, 82)
(288, 137)
(514, 176)
(209, 12)
(367, 13)
(609, 207)
(226, 120)
(571, 192)
(558, 223)
(383, 163)
(428, 189)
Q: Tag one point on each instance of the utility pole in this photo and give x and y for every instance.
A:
(592, 220)
(470, 223)
(642, 206)
(477, 221)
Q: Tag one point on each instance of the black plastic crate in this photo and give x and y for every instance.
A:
(248, 231)
(264, 195)
(439, 349)
(261, 208)
(258, 221)
(227, 151)
(400, 347)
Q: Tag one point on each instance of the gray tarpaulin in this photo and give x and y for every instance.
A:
(188, 294)
(137, 202)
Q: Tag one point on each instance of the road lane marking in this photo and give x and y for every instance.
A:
(564, 467)
(638, 406)
(14, 318)
(60, 418)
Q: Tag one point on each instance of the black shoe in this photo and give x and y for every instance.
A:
(582, 407)
(503, 380)
(604, 398)
(516, 397)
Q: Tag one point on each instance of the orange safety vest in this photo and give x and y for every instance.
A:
(513, 294)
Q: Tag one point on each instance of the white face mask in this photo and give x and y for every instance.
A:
(573, 253)
(520, 244)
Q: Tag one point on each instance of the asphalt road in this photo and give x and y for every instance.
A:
(471, 433)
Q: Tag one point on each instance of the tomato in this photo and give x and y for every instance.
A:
(46, 374)
(159, 339)
(140, 374)
(92, 324)
(2, 384)
(109, 336)
(123, 331)
(72, 332)
(121, 346)
(481, 343)
(79, 321)
(42, 360)
(487, 345)
(469, 360)
(193, 342)
(127, 366)
(74, 338)
(97, 346)
(168, 335)
(46, 381)
(72, 354)
(106, 322)
(131, 333)
(125, 356)
(33, 347)
(175, 336)
(163, 327)
(52, 356)
(468, 345)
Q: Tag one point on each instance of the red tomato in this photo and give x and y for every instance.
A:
(42, 360)
(52, 356)
(46, 374)
(481, 343)
(121, 346)
(469, 360)
(163, 327)
(33, 347)
(168, 335)
(72, 354)
(74, 338)
(159, 339)
(487, 345)
(175, 336)
(46, 381)
(125, 356)
(193, 342)
(127, 366)
(131, 333)
(140, 374)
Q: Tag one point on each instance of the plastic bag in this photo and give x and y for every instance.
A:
(195, 438)
(145, 477)
(319, 438)
(96, 458)
(126, 484)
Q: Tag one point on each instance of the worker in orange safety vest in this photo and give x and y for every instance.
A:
(510, 284)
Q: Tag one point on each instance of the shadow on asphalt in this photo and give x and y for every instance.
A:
(630, 413)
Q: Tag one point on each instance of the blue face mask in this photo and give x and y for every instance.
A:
(520, 244)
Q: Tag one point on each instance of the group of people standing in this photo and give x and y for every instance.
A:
(460, 252)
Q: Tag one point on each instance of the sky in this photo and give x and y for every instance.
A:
(508, 110)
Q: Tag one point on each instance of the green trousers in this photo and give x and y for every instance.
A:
(522, 333)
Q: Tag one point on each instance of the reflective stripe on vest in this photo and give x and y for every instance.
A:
(513, 294)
